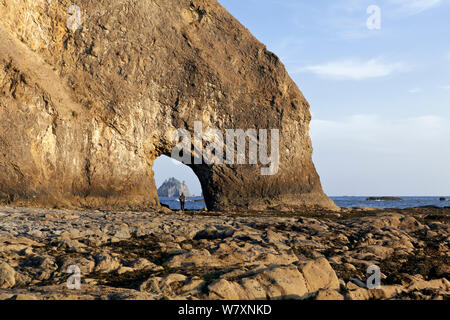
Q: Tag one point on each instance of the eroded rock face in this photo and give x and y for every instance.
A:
(173, 188)
(84, 114)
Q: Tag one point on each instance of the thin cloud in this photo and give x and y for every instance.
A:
(355, 69)
(413, 7)
(415, 90)
(445, 87)
(382, 154)
(393, 134)
(380, 135)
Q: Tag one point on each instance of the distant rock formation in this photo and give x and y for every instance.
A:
(173, 188)
(443, 199)
(384, 199)
(85, 111)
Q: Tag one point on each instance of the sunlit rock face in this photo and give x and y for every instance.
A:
(91, 93)
(173, 188)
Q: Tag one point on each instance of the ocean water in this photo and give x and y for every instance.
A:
(192, 203)
(407, 202)
(197, 203)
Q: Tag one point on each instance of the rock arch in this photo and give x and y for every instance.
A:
(85, 113)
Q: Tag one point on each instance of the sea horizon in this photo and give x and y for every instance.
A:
(197, 203)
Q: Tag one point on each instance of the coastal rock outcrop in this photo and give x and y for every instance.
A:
(384, 199)
(173, 188)
(91, 93)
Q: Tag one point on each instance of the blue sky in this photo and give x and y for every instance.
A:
(380, 98)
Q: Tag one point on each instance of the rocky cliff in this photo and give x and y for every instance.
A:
(89, 98)
(173, 188)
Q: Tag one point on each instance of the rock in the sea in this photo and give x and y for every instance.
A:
(384, 199)
(173, 188)
(7, 276)
(86, 108)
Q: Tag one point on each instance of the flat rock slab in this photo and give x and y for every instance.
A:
(220, 255)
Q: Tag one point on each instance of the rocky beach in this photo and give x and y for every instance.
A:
(92, 93)
(161, 254)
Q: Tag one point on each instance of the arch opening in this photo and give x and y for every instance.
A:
(172, 177)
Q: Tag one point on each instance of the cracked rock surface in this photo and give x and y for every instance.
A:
(218, 255)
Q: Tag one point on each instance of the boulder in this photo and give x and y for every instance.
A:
(329, 294)
(225, 290)
(391, 291)
(280, 282)
(213, 234)
(437, 284)
(319, 275)
(106, 263)
(86, 266)
(163, 285)
(358, 294)
(7, 276)
(381, 252)
(277, 283)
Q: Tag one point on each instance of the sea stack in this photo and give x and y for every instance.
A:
(88, 104)
(384, 199)
(173, 188)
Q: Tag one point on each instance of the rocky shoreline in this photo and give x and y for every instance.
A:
(224, 255)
